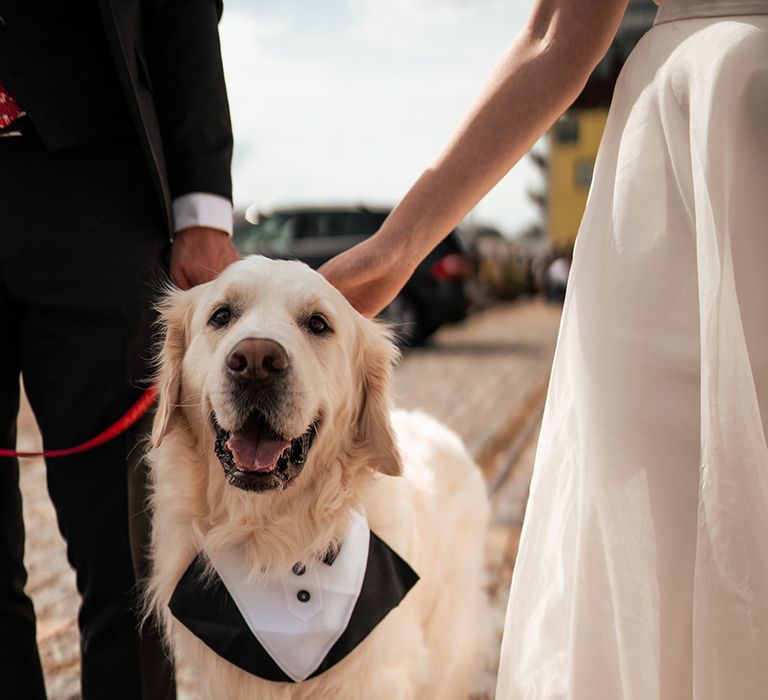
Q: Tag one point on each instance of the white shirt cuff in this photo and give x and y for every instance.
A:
(202, 209)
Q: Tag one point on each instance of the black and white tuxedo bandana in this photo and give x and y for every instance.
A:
(296, 626)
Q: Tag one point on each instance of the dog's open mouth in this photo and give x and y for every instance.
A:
(257, 458)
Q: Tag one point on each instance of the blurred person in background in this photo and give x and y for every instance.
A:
(642, 571)
(557, 275)
(115, 139)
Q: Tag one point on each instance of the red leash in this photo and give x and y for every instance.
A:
(120, 426)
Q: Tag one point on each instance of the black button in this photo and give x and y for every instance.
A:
(299, 569)
(303, 596)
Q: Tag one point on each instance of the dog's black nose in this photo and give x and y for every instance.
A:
(257, 358)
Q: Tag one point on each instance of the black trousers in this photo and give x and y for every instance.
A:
(83, 251)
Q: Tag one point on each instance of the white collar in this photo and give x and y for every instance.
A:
(296, 625)
(297, 618)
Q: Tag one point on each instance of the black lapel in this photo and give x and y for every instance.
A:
(388, 578)
(205, 607)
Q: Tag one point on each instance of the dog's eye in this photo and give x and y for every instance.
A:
(221, 317)
(318, 325)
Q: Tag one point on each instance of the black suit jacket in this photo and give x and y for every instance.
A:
(86, 71)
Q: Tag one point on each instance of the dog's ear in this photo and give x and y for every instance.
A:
(374, 424)
(175, 310)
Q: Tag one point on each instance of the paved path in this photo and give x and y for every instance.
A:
(485, 378)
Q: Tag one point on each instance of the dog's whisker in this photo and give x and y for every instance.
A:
(195, 404)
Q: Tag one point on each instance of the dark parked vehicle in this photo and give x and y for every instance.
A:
(435, 294)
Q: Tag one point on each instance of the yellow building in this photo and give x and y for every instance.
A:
(573, 144)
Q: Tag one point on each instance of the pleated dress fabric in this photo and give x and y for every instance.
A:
(643, 565)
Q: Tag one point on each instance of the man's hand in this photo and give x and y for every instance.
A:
(199, 254)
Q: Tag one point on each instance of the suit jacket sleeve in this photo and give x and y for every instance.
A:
(184, 56)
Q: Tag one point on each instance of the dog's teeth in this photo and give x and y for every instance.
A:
(294, 455)
(297, 451)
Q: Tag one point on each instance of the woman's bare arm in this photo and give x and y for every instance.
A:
(538, 77)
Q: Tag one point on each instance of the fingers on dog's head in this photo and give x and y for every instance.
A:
(374, 425)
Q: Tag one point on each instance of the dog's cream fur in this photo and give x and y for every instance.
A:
(421, 491)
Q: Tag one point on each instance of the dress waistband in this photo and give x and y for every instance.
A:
(672, 10)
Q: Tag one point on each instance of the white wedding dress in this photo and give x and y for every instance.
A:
(643, 566)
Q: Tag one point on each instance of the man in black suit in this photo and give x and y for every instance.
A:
(114, 140)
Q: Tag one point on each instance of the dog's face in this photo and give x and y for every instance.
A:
(274, 362)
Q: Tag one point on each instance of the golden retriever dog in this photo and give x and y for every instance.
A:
(308, 542)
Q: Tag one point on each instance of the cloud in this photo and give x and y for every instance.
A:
(428, 11)
(332, 102)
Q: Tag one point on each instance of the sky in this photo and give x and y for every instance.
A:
(346, 102)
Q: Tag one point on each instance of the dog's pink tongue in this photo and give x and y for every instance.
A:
(256, 451)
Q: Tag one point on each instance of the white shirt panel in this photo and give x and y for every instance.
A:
(298, 618)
